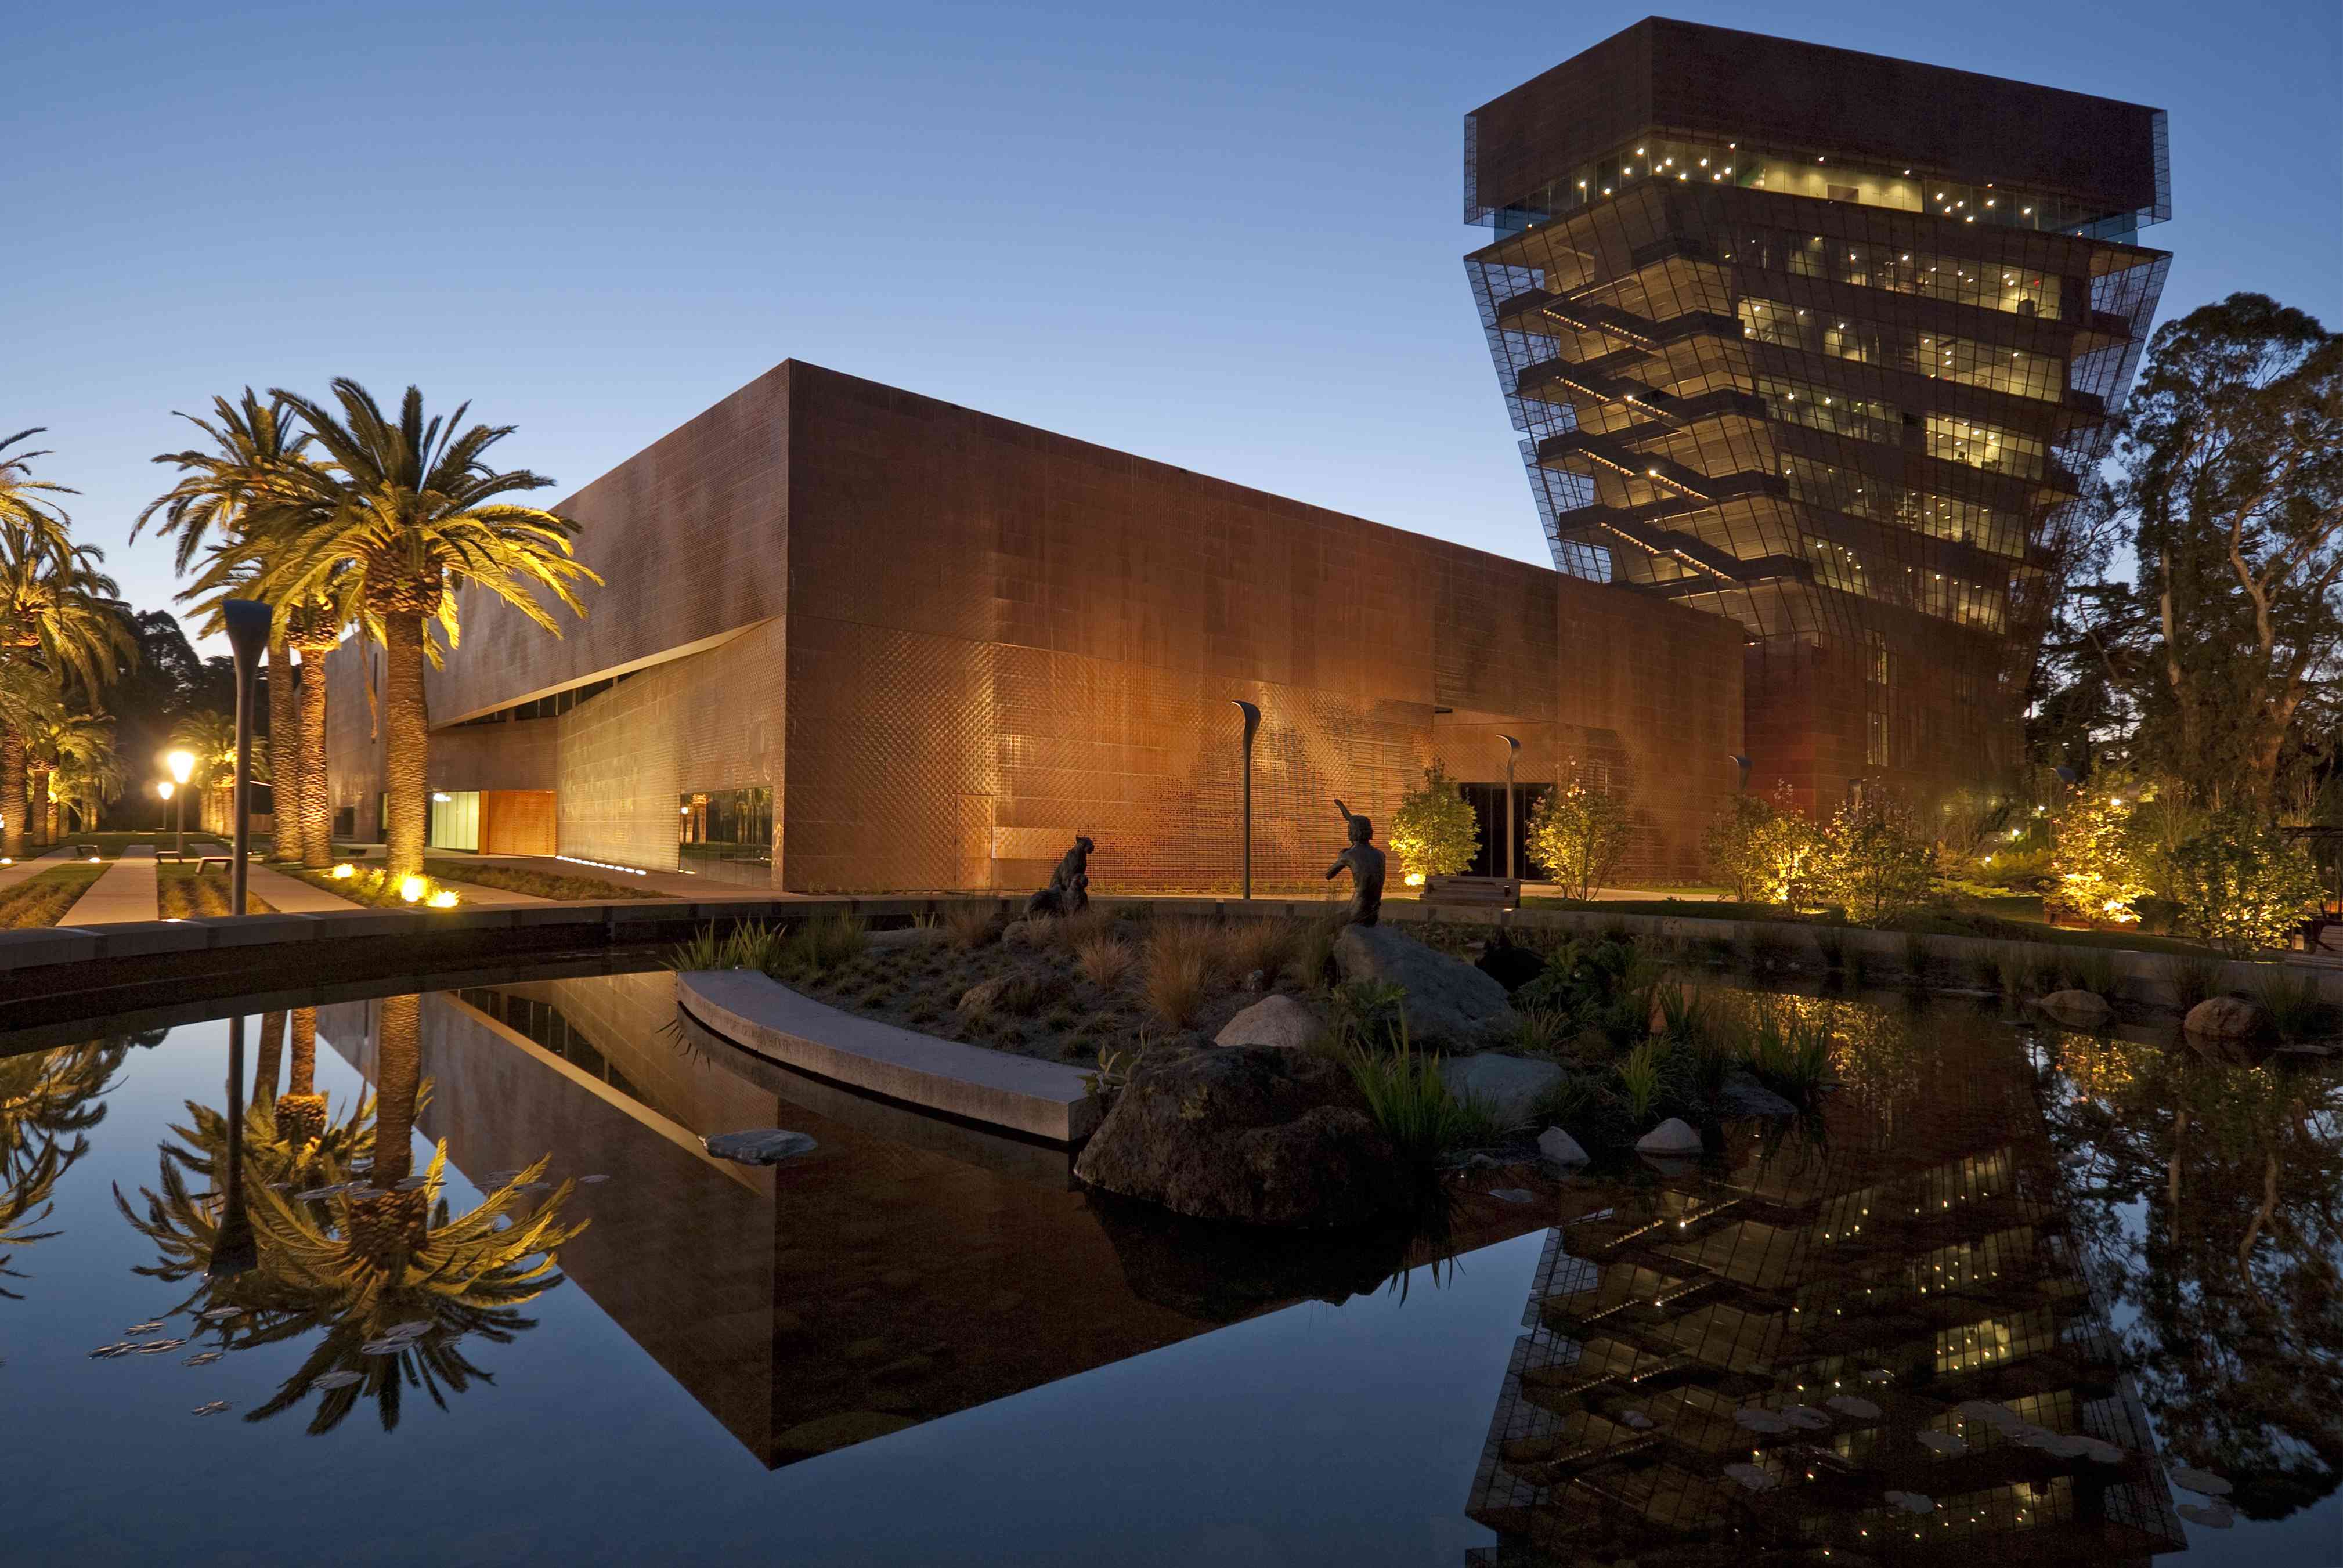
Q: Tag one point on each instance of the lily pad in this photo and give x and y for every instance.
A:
(1850, 1404)
(2212, 1515)
(2202, 1481)
(1942, 1442)
(338, 1380)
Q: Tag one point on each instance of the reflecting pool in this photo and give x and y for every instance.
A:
(448, 1278)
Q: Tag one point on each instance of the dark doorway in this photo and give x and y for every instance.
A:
(1488, 803)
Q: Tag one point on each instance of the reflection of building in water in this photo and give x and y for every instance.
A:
(1799, 1347)
(909, 1269)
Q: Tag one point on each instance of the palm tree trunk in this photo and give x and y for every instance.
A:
(283, 753)
(317, 805)
(387, 1227)
(270, 1065)
(38, 806)
(12, 793)
(301, 1110)
(56, 830)
(406, 741)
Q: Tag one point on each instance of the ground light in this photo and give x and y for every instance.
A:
(412, 889)
(344, 871)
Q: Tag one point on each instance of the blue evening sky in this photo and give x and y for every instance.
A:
(1225, 236)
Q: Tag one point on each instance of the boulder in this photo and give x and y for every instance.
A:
(1020, 933)
(981, 998)
(1509, 1086)
(1448, 1000)
(764, 1146)
(1743, 1095)
(2226, 1017)
(2075, 1009)
(1278, 1020)
(1254, 1133)
(1670, 1137)
(1559, 1146)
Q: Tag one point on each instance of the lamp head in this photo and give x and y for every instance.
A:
(248, 628)
(182, 764)
(165, 788)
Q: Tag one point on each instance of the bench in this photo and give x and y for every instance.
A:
(86, 851)
(1473, 892)
(206, 862)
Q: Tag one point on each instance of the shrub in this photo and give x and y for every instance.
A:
(1314, 950)
(1875, 859)
(2241, 884)
(1435, 832)
(1180, 957)
(971, 925)
(1576, 835)
(2095, 863)
(1832, 940)
(1267, 945)
(1915, 956)
(2012, 968)
(2086, 969)
(1640, 1077)
(1541, 1032)
(1369, 1012)
(1765, 849)
(1029, 990)
(1104, 959)
(1683, 1012)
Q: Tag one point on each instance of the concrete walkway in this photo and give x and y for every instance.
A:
(125, 893)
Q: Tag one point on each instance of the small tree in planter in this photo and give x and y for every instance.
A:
(1877, 859)
(2095, 861)
(1768, 849)
(1577, 833)
(2242, 884)
(1435, 832)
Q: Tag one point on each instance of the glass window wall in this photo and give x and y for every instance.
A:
(725, 825)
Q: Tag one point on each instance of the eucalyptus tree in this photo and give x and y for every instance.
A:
(382, 529)
(220, 490)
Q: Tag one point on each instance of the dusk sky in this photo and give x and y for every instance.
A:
(1227, 237)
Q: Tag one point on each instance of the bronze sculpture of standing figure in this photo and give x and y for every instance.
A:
(1365, 864)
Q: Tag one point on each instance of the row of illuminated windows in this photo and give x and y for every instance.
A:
(1957, 440)
(1787, 172)
(1958, 359)
(1932, 593)
(1964, 280)
(1939, 517)
(1823, 407)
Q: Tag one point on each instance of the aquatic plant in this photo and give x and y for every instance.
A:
(1832, 940)
(1915, 956)
(2089, 968)
(2194, 978)
(1413, 1105)
(1786, 1051)
(1683, 1012)
(1642, 1076)
(2292, 1002)
(750, 945)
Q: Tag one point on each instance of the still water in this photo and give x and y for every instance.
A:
(1959, 1314)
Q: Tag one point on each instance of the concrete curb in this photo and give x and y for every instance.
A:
(973, 1082)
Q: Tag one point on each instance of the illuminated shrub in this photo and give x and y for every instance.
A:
(1767, 851)
(2096, 872)
(1435, 832)
(1875, 858)
(1577, 834)
(2241, 883)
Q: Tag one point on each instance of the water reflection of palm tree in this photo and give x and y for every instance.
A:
(48, 1103)
(395, 1282)
(301, 1110)
(2216, 1187)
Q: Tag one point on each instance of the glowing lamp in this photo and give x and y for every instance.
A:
(345, 871)
(441, 795)
(93, 859)
(412, 889)
(182, 765)
(166, 789)
(1415, 879)
(442, 899)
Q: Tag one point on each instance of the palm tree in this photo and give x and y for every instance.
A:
(66, 745)
(88, 781)
(253, 446)
(60, 616)
(301, 1110)
(210, 736)
(45, 1111)
(30, 703)
(382, 531)
(27, 517)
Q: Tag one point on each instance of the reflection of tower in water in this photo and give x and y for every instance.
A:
(1880, 1343)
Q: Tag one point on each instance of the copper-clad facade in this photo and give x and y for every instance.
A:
(946, 643)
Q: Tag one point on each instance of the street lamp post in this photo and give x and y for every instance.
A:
(170, 792)
(248, 634)
(1512, 838)
(1252, 729)
(182, 765)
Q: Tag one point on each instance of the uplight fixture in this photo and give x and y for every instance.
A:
(412, 889)
(345, 871)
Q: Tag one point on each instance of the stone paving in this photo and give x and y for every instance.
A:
(125, 893)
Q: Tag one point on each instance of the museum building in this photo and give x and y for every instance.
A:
(1811, 351)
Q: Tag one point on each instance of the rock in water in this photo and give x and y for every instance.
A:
(765, 1146)
(1507, 1085)
(1278, 1020)
(2226, 1017)
(2075, 1009)
(1448, 1000)
(1744, 1095)
(1249, 1132)
(1670, 1137)
(1559, 1146)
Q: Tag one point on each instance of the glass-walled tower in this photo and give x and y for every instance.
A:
(1828, 343)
